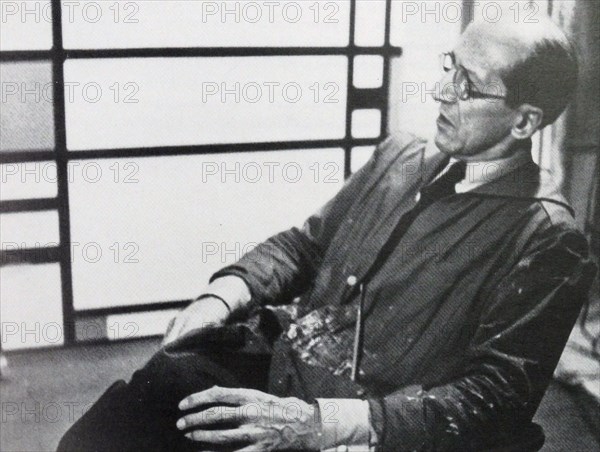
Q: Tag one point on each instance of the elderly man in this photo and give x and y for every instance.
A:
(425, 307)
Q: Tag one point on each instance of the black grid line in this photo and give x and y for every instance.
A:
(62, 160)
(178, 52)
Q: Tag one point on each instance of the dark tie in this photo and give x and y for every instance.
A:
(443, 186)
(438, 189)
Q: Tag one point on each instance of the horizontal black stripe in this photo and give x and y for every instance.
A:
(174, 52)
(28, 205)
(27, 156)
(132, 309)
(29, 255)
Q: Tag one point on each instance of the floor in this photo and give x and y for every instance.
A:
(43, 392)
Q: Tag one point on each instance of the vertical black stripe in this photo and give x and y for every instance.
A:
(387, 57)
(62, 159)
(468, 13)
(349, 97)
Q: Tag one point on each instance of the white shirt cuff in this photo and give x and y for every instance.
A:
(345, 425)
(232, 289)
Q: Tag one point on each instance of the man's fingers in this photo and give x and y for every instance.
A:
(247, 435)
(211, 416)
(251, 448)
(231, 396)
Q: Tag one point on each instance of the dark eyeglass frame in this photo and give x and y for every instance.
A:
(469, 92)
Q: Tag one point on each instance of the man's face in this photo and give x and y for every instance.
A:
(468, 127)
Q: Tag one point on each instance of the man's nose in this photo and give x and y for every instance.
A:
(445, 91)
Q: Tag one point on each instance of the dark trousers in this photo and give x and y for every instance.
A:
(141, 415)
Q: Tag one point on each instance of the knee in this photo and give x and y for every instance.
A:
(170, 376)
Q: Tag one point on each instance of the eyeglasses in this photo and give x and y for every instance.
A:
(463, 87)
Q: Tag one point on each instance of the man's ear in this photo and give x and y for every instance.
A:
(527, 121)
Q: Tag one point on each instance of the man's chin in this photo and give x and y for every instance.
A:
(443, 144)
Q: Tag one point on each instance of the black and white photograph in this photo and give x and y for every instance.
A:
(311, 225)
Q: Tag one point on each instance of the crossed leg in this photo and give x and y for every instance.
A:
(141, 415)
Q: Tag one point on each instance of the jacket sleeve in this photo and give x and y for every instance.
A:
(284, 266)
(523, 328)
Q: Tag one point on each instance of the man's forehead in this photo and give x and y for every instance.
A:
(488, 51)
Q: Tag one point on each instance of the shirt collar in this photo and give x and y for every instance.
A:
(480, 173)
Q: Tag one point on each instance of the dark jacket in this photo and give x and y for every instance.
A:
(464, 322)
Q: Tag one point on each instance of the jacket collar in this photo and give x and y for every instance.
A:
(524, 181)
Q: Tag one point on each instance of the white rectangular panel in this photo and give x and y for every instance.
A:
(370, 23)
(25, 25)
(162, 234)
(368, 71)
(148, 102)
(28, 180)
(31, 308)
(29, 230)
(366, 123)
(168, 23)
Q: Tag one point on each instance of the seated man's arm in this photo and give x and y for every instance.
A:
(230, 290)
(522, 331)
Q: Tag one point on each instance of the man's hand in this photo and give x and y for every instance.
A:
(249, 420)
(205, 312)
